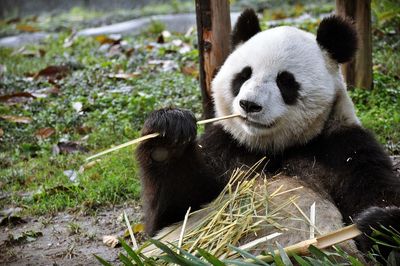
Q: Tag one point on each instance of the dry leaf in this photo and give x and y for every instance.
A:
(13, 20)
(1, 132)
(124, 75)
(160, 39)
(138, 228)
(11, 216)
(128, 52)
(111, 241)
(68, 147)
(191, 70)
(19, 97)
(44, 133)
(26, 28)
(103, 39)
(53, 72)
(17, 119)
(87, 166)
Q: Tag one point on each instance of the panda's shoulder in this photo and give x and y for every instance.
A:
(352, 148)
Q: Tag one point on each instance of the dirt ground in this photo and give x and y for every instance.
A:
(65, 239)
(72, 239)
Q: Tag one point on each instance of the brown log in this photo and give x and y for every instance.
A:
(213, 32)
(358, 72)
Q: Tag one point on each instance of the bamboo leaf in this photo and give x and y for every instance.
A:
(284, 256)
(197, 261)
(125, 260)
(240, 263)
(176, 258)
(131, 252)
(301, 261)
(248, 255)
(210, 258)
(102, 261)
(318, 253)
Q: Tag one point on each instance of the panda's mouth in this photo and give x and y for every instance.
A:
(257, 124)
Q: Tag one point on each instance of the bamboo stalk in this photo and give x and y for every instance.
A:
(320, 242)
(154, 135)
(183, 230)
(128, 224)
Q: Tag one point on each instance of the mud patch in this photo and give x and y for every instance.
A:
(65, 239)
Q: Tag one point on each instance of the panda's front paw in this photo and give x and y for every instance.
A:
(177, 127)
(378, 219)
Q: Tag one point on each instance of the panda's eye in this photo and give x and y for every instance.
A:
(288, 86)
(239, 79)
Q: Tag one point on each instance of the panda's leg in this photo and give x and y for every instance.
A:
(366, 184)
(173, 174)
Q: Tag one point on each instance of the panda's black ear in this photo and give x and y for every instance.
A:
(246, 27)
(338, 37)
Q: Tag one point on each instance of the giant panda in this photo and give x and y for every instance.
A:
(287, 86)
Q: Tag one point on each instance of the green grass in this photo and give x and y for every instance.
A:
(109, 117)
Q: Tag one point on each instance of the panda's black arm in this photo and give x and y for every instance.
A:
(173, 171)
(170, 187)
(364, 175)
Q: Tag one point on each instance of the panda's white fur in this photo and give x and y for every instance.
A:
(268, 53)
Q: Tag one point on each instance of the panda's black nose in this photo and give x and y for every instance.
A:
(250, 107)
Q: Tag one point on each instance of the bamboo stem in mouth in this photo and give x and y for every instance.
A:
(154, 135)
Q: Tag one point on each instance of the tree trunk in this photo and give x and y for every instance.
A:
(358, 72)
(213, 29)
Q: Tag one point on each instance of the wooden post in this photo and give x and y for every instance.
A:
(213, 33)
(358, 73)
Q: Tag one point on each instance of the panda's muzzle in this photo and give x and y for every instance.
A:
(256, 124)
(250, 107)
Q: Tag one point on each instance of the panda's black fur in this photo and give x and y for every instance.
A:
(343, 162)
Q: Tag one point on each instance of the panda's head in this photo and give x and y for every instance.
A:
(284, 82)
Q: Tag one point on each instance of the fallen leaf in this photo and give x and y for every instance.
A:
(160, 39)
(68, 147)
(82, 130)
(138, 228)
(124, 75)
(17, 119)
(27, 236)
(44, 133)
(111, 39)
(278, 15)
(13, 20)
(53, 72)
(110, 241)
(26, 28)
(18, 97)
(11, 216)
(191, 70)
(87, 166)
(1, 132)
(129, 51)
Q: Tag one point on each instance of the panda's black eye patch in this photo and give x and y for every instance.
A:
(239, 79)
(288, 86)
